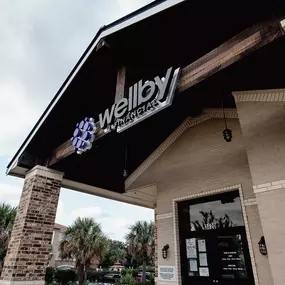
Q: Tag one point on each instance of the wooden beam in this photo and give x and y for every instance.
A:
(60, 153)
(120, 86)
(221, 57)
(66, 148)
(230, 52)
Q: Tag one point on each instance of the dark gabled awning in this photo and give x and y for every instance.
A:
(148, 41)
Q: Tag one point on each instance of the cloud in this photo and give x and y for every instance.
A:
(116, 227)
(128, 6)
(10, 194)
(112, 224)
(89, 212)
(40, 44)
(16, 113)
(60, 213)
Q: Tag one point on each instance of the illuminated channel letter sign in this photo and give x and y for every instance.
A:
(144, 100)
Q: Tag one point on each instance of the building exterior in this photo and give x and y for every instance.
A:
(57, 237)
(190, 124)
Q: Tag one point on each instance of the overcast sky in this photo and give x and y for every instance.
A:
(40, 42)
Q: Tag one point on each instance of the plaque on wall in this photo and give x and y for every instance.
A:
(166, 273)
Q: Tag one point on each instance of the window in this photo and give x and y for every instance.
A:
(223, 213)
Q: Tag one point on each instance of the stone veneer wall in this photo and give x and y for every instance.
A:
(28, 251)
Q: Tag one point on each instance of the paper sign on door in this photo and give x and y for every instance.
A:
(191, 249)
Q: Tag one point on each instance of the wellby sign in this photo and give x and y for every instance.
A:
(143, 101)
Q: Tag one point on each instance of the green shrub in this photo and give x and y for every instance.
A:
(126, 271)
(49, 277)
(64, 276)
(129, 279)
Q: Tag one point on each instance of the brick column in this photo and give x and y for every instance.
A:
(28, 251)
(262, 119)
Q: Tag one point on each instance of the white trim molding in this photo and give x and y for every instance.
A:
(207, 114)
(217, 113)
(165, 216)
(250, 202)
(267, 95)
(45, 172)
(270, 186)
(162, 148)
(208, 193)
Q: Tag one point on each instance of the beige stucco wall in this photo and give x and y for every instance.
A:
(264, 138)
(198, 161)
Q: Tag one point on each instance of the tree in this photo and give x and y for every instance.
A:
(7, 218)
(140, 242)
(84, 241)
(116, 252)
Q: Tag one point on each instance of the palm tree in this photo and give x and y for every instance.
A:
(140, 241)
(7, 218)
(84, 241)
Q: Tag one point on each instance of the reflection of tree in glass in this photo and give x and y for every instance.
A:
(209, 221)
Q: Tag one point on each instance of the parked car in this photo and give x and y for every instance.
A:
(139, 276)
(110, 278)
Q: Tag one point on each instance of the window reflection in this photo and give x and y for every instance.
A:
(217, 214)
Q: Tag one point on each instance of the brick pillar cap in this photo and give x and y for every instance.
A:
(46, 172)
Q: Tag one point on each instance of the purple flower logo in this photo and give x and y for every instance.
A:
(84, 135)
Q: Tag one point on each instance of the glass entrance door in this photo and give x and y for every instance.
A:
(213, 243)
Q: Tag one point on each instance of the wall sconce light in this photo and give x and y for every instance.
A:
(227, 135)
(262, 246)
(164, 251)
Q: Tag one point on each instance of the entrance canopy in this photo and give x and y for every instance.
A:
(146, 43)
